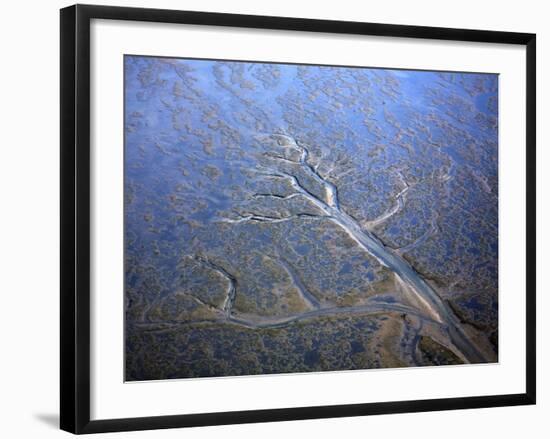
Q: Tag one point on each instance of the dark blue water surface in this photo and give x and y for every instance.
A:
(199, 135)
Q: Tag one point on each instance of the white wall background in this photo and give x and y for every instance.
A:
(29, 170)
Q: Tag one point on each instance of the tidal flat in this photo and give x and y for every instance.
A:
(296, 218)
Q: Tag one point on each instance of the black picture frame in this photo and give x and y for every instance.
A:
(75, 217)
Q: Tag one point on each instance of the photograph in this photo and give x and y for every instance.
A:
(288, 218)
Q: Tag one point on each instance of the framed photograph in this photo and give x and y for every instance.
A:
(268, 218)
